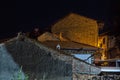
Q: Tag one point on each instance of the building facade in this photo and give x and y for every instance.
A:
(108, 44)
(78, 29)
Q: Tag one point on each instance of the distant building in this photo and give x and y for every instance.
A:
(78, 29)
(107, 43)
(114, 49)
(103, 43)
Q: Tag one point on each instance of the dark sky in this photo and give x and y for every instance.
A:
(24, 15)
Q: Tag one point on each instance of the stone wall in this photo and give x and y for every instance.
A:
(9, 69)
(40, 62)
(43, 63)
(81, 67)
(77, 28)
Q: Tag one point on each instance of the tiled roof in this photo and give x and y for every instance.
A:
(69, 45)
(47, 36)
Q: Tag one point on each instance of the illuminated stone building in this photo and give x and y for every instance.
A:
(102, 43)
(78, 29)
(107, 43)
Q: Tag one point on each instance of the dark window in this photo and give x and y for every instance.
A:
(104, 41)
(119, 64)
(100, 45)
(112, 64)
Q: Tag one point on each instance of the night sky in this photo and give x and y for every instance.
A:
(24, 15)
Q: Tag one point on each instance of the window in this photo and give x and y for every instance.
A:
(119, 64)
(103, 40)
(100, 45)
